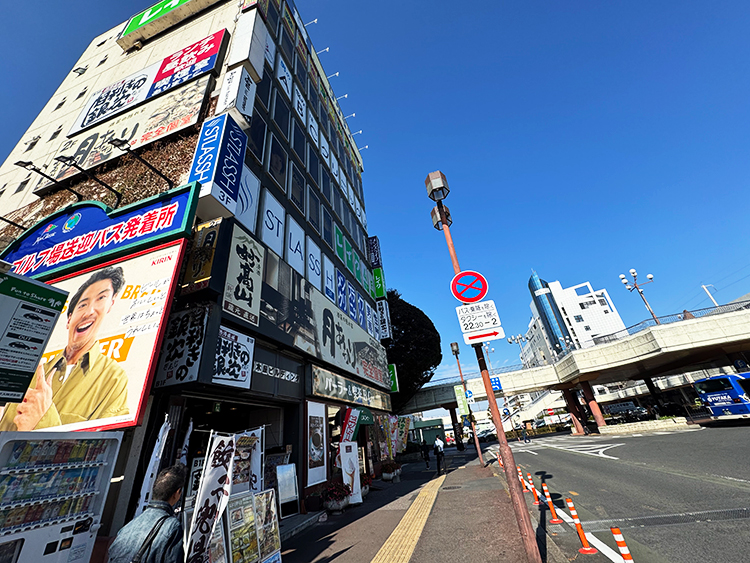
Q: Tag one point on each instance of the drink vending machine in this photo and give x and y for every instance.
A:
(53, 486)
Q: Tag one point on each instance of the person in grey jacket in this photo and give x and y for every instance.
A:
(166, 546)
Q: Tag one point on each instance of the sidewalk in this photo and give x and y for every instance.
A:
(471, 520)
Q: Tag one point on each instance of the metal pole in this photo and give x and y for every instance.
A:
(711, 297)
(448, 238)
(528, 537)
(471, 417)
(650, 310)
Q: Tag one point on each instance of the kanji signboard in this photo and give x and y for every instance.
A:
(479, 322)
(469, 286)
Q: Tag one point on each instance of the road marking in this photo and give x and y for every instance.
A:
(399, 546)
(603, 548)
(597, 452)
(575, 494)
(731, 478)
(527, 451)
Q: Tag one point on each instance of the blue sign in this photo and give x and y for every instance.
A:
(341, 286)
(361, 318)
(352, 302)
(496, 384)
(506, 412)
(86, 232)
(219, 157)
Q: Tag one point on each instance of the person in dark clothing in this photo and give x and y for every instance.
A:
(426, 453)
(166, 546)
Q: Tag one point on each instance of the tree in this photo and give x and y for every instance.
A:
(414, 348)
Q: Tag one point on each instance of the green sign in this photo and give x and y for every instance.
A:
(339, 243)
(372, 284)
(379, 282)
(29, 312)
(394, 378)
(149, 15)
(349, 256)
(463, 407)
(357, 267)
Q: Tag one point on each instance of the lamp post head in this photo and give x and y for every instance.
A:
(454, 348)
(27, 164)
(436, 222)
(622, 276)
(121, 144)
(650, 277)
(68, 160)
(437, 186)
(633, 272)
(510, 340)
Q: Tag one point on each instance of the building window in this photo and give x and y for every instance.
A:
(313, 165)
(32, 143)
(277, 162)
(281, 114)
(104, 60)
(587, 327)
(58, 106)
(82, 93)
(327, 227)
(297, 188)
(313, 209)
(578, 318)
(299, 143)
(256, 140)
(325, 185)
(56, 133)
(22, 186)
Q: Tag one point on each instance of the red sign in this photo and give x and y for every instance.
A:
(550, 411)
(199, 52)
(469, 286)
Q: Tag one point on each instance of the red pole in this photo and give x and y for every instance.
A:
(473, 426)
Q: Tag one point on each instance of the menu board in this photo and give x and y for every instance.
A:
(243, 538)
(267, 523)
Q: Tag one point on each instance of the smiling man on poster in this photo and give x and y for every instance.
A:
(79, 383)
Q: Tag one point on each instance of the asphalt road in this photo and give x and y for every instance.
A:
(679, 496)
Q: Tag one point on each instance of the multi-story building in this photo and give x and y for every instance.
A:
(195, 163)
(566, 318)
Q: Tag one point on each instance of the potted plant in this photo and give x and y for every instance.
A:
(389, 470)
(336, 496)
(365, 481)
(313, 502)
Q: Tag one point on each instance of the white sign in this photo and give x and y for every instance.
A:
(234, 358)
(244, 277)
(248, 195)
(313, 266)
(329, 278)
(484, 335)
(349, 453)
(384, 316)
(295, 245)
(316, 443)
(284, 77)
(312, 128)
(300, 105)
(237, 93)
(270, 50)
(272, 223)
(478, 316)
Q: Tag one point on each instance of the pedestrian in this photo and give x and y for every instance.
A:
(426, 453)
(155, 536)
(439, 454)
(526, 438)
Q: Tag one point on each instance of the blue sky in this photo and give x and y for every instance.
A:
(580, 139)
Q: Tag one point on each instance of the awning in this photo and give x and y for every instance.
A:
(365, 416)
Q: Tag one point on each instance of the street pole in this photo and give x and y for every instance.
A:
(528, 536)
(471, 416)
(650, 310)
(711, 297)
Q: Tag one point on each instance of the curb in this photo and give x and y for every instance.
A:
(645, 426)
(311, 519)
(554, 553)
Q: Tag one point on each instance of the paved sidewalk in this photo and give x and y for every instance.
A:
(471, 520)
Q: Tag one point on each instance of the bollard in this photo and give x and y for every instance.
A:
(533, 490)
(554, 519)
(520, 478)
(585, 547)
(621, 545)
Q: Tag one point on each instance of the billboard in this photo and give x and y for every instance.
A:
(96, 369)
(195, 60)
(145, 124)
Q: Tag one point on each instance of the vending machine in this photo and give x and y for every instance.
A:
(53, 486)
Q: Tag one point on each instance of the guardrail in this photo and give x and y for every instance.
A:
(669, 319)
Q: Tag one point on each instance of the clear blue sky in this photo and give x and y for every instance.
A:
(579, 138)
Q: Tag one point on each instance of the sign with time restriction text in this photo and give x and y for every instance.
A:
(479, 322)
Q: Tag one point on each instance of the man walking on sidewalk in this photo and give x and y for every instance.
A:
(156, 535)
(439, 454)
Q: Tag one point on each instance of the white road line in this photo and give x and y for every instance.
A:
(603, 548)
(731, 478)
(527, 451)
(599, 452)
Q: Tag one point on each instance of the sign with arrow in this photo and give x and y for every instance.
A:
(479, 322)
(484, 336)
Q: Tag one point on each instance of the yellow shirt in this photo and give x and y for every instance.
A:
(97, 387)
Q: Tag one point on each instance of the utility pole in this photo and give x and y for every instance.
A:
(711, 297)
(437, 190)
(454, 349)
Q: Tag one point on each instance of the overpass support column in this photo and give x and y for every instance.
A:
(575, 413)
(653, 390)
(588, 394)
(457, 430)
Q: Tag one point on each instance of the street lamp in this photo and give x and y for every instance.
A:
(70, 161)
(28, 165)
(637, 286)
(518, 339)
(437, 190)
(123, 145)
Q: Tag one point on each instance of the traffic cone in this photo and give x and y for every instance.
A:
(533, 490)
(585, 547)
(520, 478)
(621, 545)
(554, 519)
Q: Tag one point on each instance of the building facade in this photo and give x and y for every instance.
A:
(566, 318)
(195, 161)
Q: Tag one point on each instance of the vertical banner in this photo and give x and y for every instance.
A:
(247, 474)
(153, 467)
(394, 377)
(393, 434)
(316, 443)
(213, 494)
(350, 469)
(403, 433)
(350, 425)
(185, 443)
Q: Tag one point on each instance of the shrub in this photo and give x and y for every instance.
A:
(336, 491)
(389, 466)
(365, 479)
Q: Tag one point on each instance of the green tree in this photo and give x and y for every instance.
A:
(414, 348)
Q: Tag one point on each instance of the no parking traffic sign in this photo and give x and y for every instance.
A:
(469, 286)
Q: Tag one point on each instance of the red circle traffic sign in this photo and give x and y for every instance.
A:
(469, 286)
(550, 411)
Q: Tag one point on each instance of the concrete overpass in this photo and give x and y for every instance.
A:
(679, 343)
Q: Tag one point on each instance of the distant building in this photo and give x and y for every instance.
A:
(566, 318)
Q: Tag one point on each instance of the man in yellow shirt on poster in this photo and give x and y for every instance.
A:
(79, 383)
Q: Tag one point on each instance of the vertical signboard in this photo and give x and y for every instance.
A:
(394, 377)
(316, 443)
(234, 358)
(385, 319)
(237, 96)
(244, 276)
(379, 284)
(329, 278)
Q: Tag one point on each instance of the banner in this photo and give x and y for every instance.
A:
(350, 425)
(212, 497)
(243, 537)
(350, 469)
(393, 435)
(403, 433)
(109, 339)
(248, 461)
(153, 467)
(185, 443)
(463, 407)
(317, 445)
